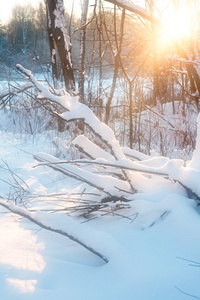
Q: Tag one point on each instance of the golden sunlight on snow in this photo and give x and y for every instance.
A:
(24, 286)
(19, 247)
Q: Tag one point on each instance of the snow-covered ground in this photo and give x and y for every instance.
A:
(150, 258)
(150, 251)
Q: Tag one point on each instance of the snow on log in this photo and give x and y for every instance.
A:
(91, 149)
(134, 154)
(87, 147)
(104, 183)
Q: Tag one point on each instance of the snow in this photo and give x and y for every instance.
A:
(195, 162)
(147, 249)
(91, 149)
(147, 257)
(107, 184)
(61, 24)
(134, 154)
(137, 10)
(75, 110)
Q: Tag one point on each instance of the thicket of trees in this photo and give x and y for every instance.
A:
(149, 98)
(118, 65)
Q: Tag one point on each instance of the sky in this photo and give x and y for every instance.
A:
(7, 6)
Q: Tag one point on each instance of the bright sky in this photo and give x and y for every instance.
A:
(175, 24)
(6, 7)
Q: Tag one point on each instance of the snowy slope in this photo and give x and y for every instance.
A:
(147, 256)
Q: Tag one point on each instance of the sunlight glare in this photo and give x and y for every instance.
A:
(8, 5)
(24, 286)
(177, 24)
(19, 247)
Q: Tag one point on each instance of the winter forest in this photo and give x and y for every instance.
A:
(100, 150)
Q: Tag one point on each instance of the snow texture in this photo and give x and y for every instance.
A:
(76, 110)
(152, 251)
(154, 257)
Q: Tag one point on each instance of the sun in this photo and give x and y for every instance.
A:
(177, 24)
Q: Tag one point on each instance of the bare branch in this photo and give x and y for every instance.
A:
(75, 110)
(133, 166)
(16, 90)
(190, 295)
(137, 10)
(98, 181)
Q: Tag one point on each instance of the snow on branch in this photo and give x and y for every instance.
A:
(113, 183)
(73, 229)
(163, 166)
(93, 151)
(75, 110)
(173, 169)
(107, 184)
(137, 10)
(134, 154)
(90, 149)
(16, 90)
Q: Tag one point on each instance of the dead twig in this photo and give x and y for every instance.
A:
(190, 295)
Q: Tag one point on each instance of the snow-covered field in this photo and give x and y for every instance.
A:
(155, 256)
(150, 251)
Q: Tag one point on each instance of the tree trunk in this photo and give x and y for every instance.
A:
(112, 90)
(85, 6)
(52, 48)
(57, 28)
(100, 104)
(130, 116)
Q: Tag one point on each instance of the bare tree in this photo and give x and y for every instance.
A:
(116, 69)
(191, 67)
(59, 40)
(85, 6)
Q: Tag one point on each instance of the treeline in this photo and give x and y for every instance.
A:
(121, 71)
(24, 38)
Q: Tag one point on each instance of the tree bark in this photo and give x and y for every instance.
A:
(57, 28)
(112, 90)
(130, 116)
(53, 58)
(85, 6)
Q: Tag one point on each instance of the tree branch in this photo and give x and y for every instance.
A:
(75, 110)
(33, 217)
(137, 10)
